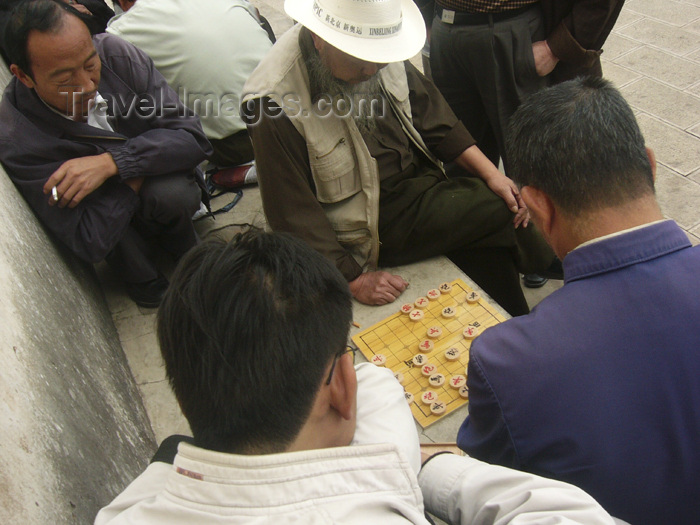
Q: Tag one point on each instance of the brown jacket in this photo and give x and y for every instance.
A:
(577, 30)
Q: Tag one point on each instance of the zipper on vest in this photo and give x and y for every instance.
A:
(341, 141)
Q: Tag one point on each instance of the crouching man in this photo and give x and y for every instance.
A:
(99, 145)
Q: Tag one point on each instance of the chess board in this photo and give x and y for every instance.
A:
(397, 338)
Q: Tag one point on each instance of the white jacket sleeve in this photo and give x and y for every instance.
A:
(463, 490)
(148, 485)
(383, 416)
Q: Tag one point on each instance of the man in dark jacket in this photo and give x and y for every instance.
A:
(96, 14)
(599, 385)
(101, 148)
(488, 56)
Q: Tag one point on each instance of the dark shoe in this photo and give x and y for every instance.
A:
(539, 279)
(555, 270)
(533, 280)
(148, 294)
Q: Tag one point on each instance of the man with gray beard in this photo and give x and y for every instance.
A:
(364, 98)
(350, 141)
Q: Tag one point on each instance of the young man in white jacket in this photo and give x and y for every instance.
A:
(286, 429)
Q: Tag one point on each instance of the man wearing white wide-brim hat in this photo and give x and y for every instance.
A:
(350, 142)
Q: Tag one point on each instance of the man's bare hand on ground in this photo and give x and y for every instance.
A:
(78, 178)
(545, 61)
(377, 288)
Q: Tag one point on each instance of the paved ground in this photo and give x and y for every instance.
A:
(653, 56)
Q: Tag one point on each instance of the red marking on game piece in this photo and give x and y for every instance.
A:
(470, 332)
(458, 381)
(428, 397)
(428, 369)
(379, 359)
(421, 302)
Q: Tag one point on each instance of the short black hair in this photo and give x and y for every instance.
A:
(45, 16)
(247, 330)
(580, 143)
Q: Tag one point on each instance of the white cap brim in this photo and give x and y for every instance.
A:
(401, 46)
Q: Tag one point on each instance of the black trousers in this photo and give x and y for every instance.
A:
(233, 150)
(485, 72)
(164, 217)
(422, 215)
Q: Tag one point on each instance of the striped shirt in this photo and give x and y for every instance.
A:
(484, 6)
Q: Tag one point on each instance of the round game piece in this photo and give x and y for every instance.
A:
(420, 360)
(433, 294)
(429, 397)
(434, 332)
(449, 311)
(409, 397)
(406, 308)
(421, 302)
(445, 288)
(473, 297)
(470, 332)
(426, 345)
(428, 369)
(378, 359)
(416, 315)
(399, 377)
(436, 380)
(464, 392)
(438, 408)
(452, 354)
(458, 381)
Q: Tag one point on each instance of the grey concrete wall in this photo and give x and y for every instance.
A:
(73, 429)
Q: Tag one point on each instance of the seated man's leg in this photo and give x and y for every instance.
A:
(131, 260)
(168, 203)
(424, 216)
(494, 270)
(233, 150)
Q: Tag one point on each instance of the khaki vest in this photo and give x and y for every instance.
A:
(344, 172)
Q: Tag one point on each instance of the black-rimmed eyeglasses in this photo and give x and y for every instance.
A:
(347, 349)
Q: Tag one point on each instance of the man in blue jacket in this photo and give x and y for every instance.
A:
(599, 385)
(99, 145)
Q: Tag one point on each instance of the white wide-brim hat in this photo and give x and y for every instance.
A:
(380, 31)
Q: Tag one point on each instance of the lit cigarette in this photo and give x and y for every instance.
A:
(54, 194)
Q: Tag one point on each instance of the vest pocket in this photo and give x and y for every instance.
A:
(358, 242)
(333, 169)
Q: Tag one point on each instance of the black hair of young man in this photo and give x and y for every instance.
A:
(44, 16)
(580, 143)
(247, 330)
